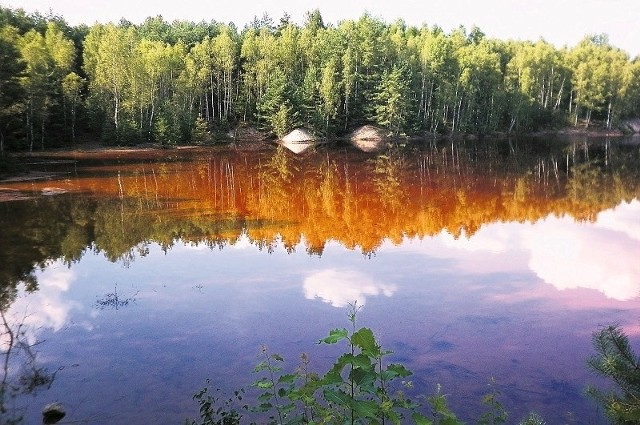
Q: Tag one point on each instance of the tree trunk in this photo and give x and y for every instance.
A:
(117, 109)
(73, 124)
(570, 101)
(30, 125)
(42, 133)
(213, 98)
(559, 98)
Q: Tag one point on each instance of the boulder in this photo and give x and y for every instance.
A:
(369, 138)
(632, 125)
(52, 413)
(244, 132)
(299, 135)
(369, 132)
(299, 140)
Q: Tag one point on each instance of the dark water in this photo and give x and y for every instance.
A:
(134, 277)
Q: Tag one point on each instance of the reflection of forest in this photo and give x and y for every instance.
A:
(340, 195)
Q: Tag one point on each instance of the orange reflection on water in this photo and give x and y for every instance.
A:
(358, 200)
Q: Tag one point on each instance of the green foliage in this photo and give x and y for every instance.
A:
(615, 360)
(356, 389)
(276, 106)
(11, 92)
(328, 78)
(495, 413)
(166, 130)
(393, 105)
(200, 132)
(532, 419)
(440, 411)
(360, 388)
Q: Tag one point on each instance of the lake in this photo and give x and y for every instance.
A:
(128, 278)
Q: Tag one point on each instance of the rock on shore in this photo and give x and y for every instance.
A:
(369, 138)
(299, 135)
(632, 125)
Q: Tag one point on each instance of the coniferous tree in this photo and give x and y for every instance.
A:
(392, 100)
(616, 360)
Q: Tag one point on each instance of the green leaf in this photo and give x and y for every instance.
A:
(450, 421)
(365, 408)
(263, 383)
(261, 366)
(332, 377)
(364, 339)
(362, 361)
(343, 360)
(265, 407)
(364, 378)
(420, 419)
(394, 371)
(286, 379)
(266, 396)
(336, 397)
(335, 335)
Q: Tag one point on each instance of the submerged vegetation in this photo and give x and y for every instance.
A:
(186, 82)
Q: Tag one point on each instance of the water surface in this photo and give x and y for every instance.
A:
(139, 275)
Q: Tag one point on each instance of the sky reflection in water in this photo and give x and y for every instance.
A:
(516, 301)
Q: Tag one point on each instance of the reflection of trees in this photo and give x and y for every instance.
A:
(591, 184)
(21, 374)
(387, 177)
(114, 300)
(277, 176)
(277, 199)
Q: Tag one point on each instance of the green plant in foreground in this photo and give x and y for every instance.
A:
(616, 360)
(356, 389)
(533, 419)
(495, 414)
(359, 388)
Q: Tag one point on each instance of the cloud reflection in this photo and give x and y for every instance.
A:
(46, 308)
(341, 287)
(601, 256)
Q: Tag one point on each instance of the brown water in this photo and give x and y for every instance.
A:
(142, 274)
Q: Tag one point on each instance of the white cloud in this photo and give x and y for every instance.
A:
(341, 287)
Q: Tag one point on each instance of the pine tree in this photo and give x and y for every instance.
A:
(392, 100)
(616, 360)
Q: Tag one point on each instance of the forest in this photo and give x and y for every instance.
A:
(186, 82)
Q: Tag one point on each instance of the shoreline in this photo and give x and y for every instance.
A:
(252, 143)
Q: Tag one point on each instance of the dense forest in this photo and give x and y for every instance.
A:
(185, 82)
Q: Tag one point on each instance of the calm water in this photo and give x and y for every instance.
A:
(137, 276)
